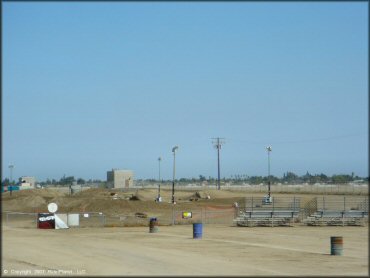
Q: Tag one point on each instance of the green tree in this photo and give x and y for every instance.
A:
(290, 177)
(81, 181)
(202, 178)
(66, 180)
(256, 179)
(341, 179)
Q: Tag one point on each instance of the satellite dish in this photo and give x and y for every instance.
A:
(52, 207)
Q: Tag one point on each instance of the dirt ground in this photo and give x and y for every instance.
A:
(128, 251)
(102, 200)
(222, 251)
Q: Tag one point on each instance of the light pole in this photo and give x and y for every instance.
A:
(174, 172)
(11, 166)
(269, 149)
(159, 178)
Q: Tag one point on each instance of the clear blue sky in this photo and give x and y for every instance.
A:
(88, 87)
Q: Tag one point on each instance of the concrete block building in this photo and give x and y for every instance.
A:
(120, 178)
(27, 182)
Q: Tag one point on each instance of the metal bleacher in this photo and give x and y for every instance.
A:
(320, 211)
(281, 212)
(337, 218)
(339, 211)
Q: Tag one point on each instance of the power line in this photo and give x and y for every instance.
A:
(218, 143)
(301, 141)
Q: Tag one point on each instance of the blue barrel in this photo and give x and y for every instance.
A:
(153, 225)
(336, 245)
(197, 230)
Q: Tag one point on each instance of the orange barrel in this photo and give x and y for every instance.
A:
(336, 245)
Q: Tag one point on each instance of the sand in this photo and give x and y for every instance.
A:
(222, 251)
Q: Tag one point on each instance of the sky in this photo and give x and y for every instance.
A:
(91, 86)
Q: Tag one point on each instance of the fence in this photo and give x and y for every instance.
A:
(342, 203)
(91, 219)
(29, 220)
(278, 203)
(348, 189)
(206, 215)
(20, 219)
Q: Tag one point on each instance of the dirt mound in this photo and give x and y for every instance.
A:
(134, 198)
(137, 197)
(44, 192)
(26, 204)
(34, 201)
(102, 200)
(93, 193)
(199, 195)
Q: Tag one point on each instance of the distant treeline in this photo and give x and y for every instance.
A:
(62, 181)
(288, 177)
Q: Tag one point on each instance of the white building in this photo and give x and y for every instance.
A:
(27, 183)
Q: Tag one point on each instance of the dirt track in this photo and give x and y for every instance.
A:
(296, 251)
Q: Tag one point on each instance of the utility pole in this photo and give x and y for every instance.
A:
(159, 178)
(11, 166)
(10, 186)
(218, 143)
